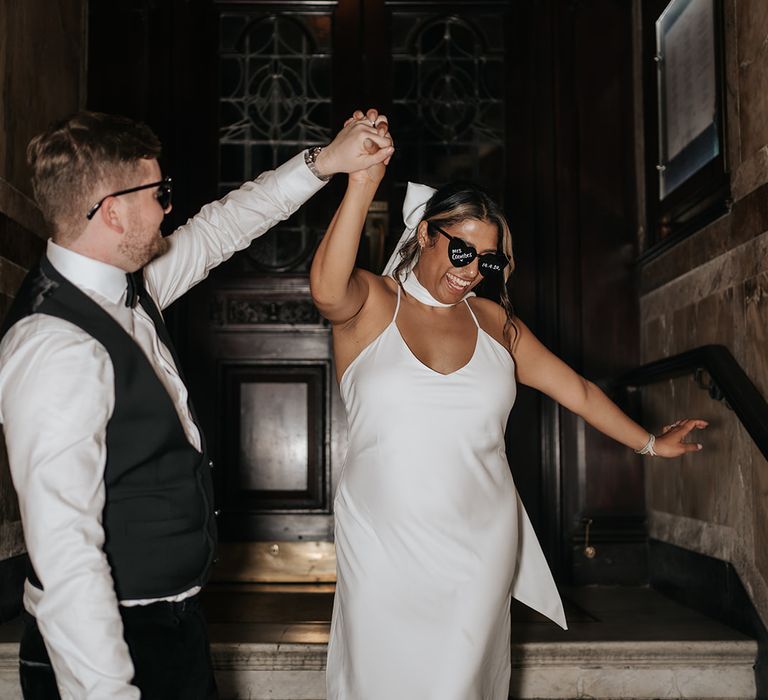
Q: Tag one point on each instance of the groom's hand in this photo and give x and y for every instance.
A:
(363, 142)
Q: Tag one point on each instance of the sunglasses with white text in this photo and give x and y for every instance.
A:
(461, 254)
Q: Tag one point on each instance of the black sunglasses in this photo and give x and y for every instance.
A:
(461, 254)
(163, 195)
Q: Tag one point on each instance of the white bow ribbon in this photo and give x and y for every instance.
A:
(416, 198)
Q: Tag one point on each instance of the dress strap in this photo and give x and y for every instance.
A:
(472, 313)
(397, 306)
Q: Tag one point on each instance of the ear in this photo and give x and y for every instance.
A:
(422, 233)
(111, 213)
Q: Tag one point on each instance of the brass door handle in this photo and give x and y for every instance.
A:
(589, 551)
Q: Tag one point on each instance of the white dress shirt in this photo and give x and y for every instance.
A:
(56, 398)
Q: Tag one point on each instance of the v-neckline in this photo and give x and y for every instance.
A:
(423, 364)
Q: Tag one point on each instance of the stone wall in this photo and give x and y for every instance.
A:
(713, 288)
(42, 69)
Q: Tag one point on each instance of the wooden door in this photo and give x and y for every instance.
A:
(263, 359)
(257, 352)
(532, 99)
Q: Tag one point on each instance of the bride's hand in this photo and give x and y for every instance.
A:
(348, 153)
(671, 442)
(374, 173)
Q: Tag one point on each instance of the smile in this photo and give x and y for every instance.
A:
(458, 281)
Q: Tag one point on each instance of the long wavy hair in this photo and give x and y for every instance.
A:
(452, 204)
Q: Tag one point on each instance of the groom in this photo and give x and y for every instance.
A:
(106, 454)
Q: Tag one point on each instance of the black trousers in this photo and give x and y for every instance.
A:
(169, 647)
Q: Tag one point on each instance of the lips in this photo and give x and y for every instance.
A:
(456, 283)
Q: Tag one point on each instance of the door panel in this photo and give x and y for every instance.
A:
(278, 441)
(278, 438)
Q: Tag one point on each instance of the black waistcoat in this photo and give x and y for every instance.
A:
(158, 517)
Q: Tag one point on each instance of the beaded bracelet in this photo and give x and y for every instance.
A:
(647, 449)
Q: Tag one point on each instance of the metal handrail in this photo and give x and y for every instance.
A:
(727, 382)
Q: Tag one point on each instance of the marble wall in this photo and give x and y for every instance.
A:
(42, 74)
(713, 288)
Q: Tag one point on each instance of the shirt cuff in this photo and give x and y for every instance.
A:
(303, 182)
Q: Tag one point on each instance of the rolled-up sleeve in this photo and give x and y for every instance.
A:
(56, 397)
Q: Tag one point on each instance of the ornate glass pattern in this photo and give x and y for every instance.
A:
(448, 98)
(274, 101)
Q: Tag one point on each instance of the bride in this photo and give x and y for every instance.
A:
(431, 536)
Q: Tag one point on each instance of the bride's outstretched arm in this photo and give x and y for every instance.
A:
(539, 368)
(338, 289)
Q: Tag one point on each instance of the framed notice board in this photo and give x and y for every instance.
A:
(687, 183)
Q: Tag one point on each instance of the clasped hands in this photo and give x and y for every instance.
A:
(363, 146)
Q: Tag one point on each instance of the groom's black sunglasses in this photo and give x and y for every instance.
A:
(163, 195)
(461, 254)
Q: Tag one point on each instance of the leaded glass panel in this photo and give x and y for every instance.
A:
(274, 101)
(448, 98)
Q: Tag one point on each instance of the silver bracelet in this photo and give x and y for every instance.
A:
(310, 156)
(647, 449)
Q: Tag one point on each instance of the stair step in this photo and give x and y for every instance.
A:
(573, 670)
(623, 644)
(700, 669)
(291, 671)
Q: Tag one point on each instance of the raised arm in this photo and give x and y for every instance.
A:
(339, 289)
(230, 224)
(539, 368)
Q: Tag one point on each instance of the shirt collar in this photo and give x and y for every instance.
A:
(84, 272)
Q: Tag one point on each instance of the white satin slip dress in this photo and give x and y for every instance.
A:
(431, 535)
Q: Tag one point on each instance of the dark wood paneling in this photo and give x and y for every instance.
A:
(42, 69)
(19, 245)
(529, 206)
(613, 476)
(571, 190)
(42, 50)
(160, 69)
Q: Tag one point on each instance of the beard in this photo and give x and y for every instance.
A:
(140, 246)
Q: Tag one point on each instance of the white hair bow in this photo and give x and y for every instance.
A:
(416, 198)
